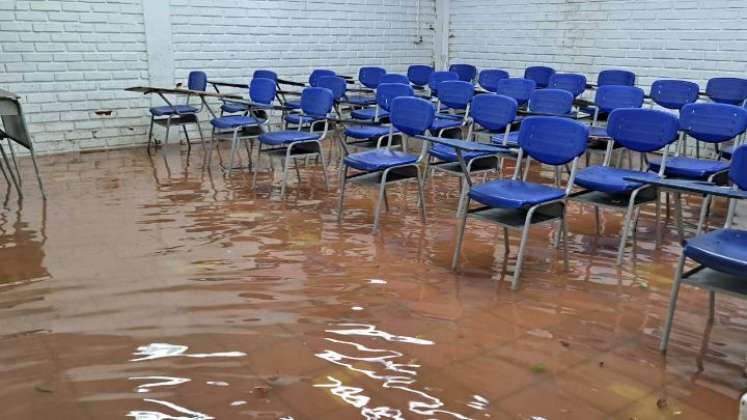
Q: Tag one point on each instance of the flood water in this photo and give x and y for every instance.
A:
(151, 288)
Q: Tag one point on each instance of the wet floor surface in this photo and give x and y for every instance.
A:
(154, 289)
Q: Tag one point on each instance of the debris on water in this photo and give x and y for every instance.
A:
(538, 368)
(43, 388)
(662, 403)
(262, 390)
(601, 364)
(238, 403)
(643, 284)
(565, 343)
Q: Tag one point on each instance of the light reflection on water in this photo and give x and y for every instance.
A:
(156, 415)
(373, 365)
(161, 381)
(163, 350)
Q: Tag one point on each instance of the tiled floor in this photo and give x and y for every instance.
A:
(284, 313)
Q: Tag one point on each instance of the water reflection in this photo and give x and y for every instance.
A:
(163, 350)
(22, 247)
(160, 382)
(184, 413)
(377, 364)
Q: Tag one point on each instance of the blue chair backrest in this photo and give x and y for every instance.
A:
(540, 75)
(197, 80)
(493, 112)
(455, 94)
(412, 116)
(370, 77)
(317, 101)
(572, 82)
(337, 85)
(318, 74)
(713, 123)
(489, 78)
(616, 78)
(265, 74)
(551, 101)
(466, 72)
(262, 91)
(674, 94)
(642, 130)
(553, 140)
(738, 171)
(609, 98)
(519, 89)
(437, 77)
(395, 78)
(727, 90)
(419, 74)
(386, 92)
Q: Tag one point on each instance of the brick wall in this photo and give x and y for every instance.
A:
(693, 40)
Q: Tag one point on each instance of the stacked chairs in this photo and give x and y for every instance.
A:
(519, 204)
(369, 78)
(727, 90)
(179, 115)
(372, 135)
(316, 105)
(540, 74)
(519, 89)
(572, 82)
(261, 93)
(466, 72)
(638, 130)
(383, 166)
(721, 255)
(454, 97)
(419, 75)
(489, 114)
(437, 77)
(616, 77)
(488, 79)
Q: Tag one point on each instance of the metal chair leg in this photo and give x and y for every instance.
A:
(343, 181)
(564, 228)
(256, 165)
(672, 304)
(286, 162)
(234, 147)
(324, 167)
(380, 201)
(10, 171)
(421, 194)
(15, 162)
(36, 171)
(460, 236)
(658, 219)
(522, 250)
(186, 138)
(150, 134)
(168, 128)
(703, 220)
(678, 216)
(625, 230)
(506, 241)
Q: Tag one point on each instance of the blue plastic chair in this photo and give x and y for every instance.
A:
(395, 78)
(488, 114)
(727, 90)
(454, 97)
(609, 98)
(615, 77)
(372, 136)
(540, 74)
(674, 94)
(519, 89)
(551, 141)
(720, 255)
(230, 107)
(572, 82)
(379, 111)
(639, 130)
(419, 75)
(710, 123)
(411, 116)
(489, 78)
(369, 77)
(262, 93)
(174, 114)
(466, 72)
(313, 82)
(316, 104)
(437, 77)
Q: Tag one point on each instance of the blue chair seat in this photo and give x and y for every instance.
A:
(301, 119)
(685, 167)
(723, 250)
(441, 123)
(285, 137)
(368, 114)
(361, 100)
(233, 121)
(379, 159)
(367, 131)
(610, 180)
(513, 139)
(159, 111)
(598, 132)
(514, 194)
(233, 107)
(448, 154)
(293, 104)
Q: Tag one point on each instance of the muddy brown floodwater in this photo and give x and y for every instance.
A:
(151, 288)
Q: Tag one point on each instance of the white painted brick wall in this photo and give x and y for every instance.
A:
(69, 59)
(689, 39)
